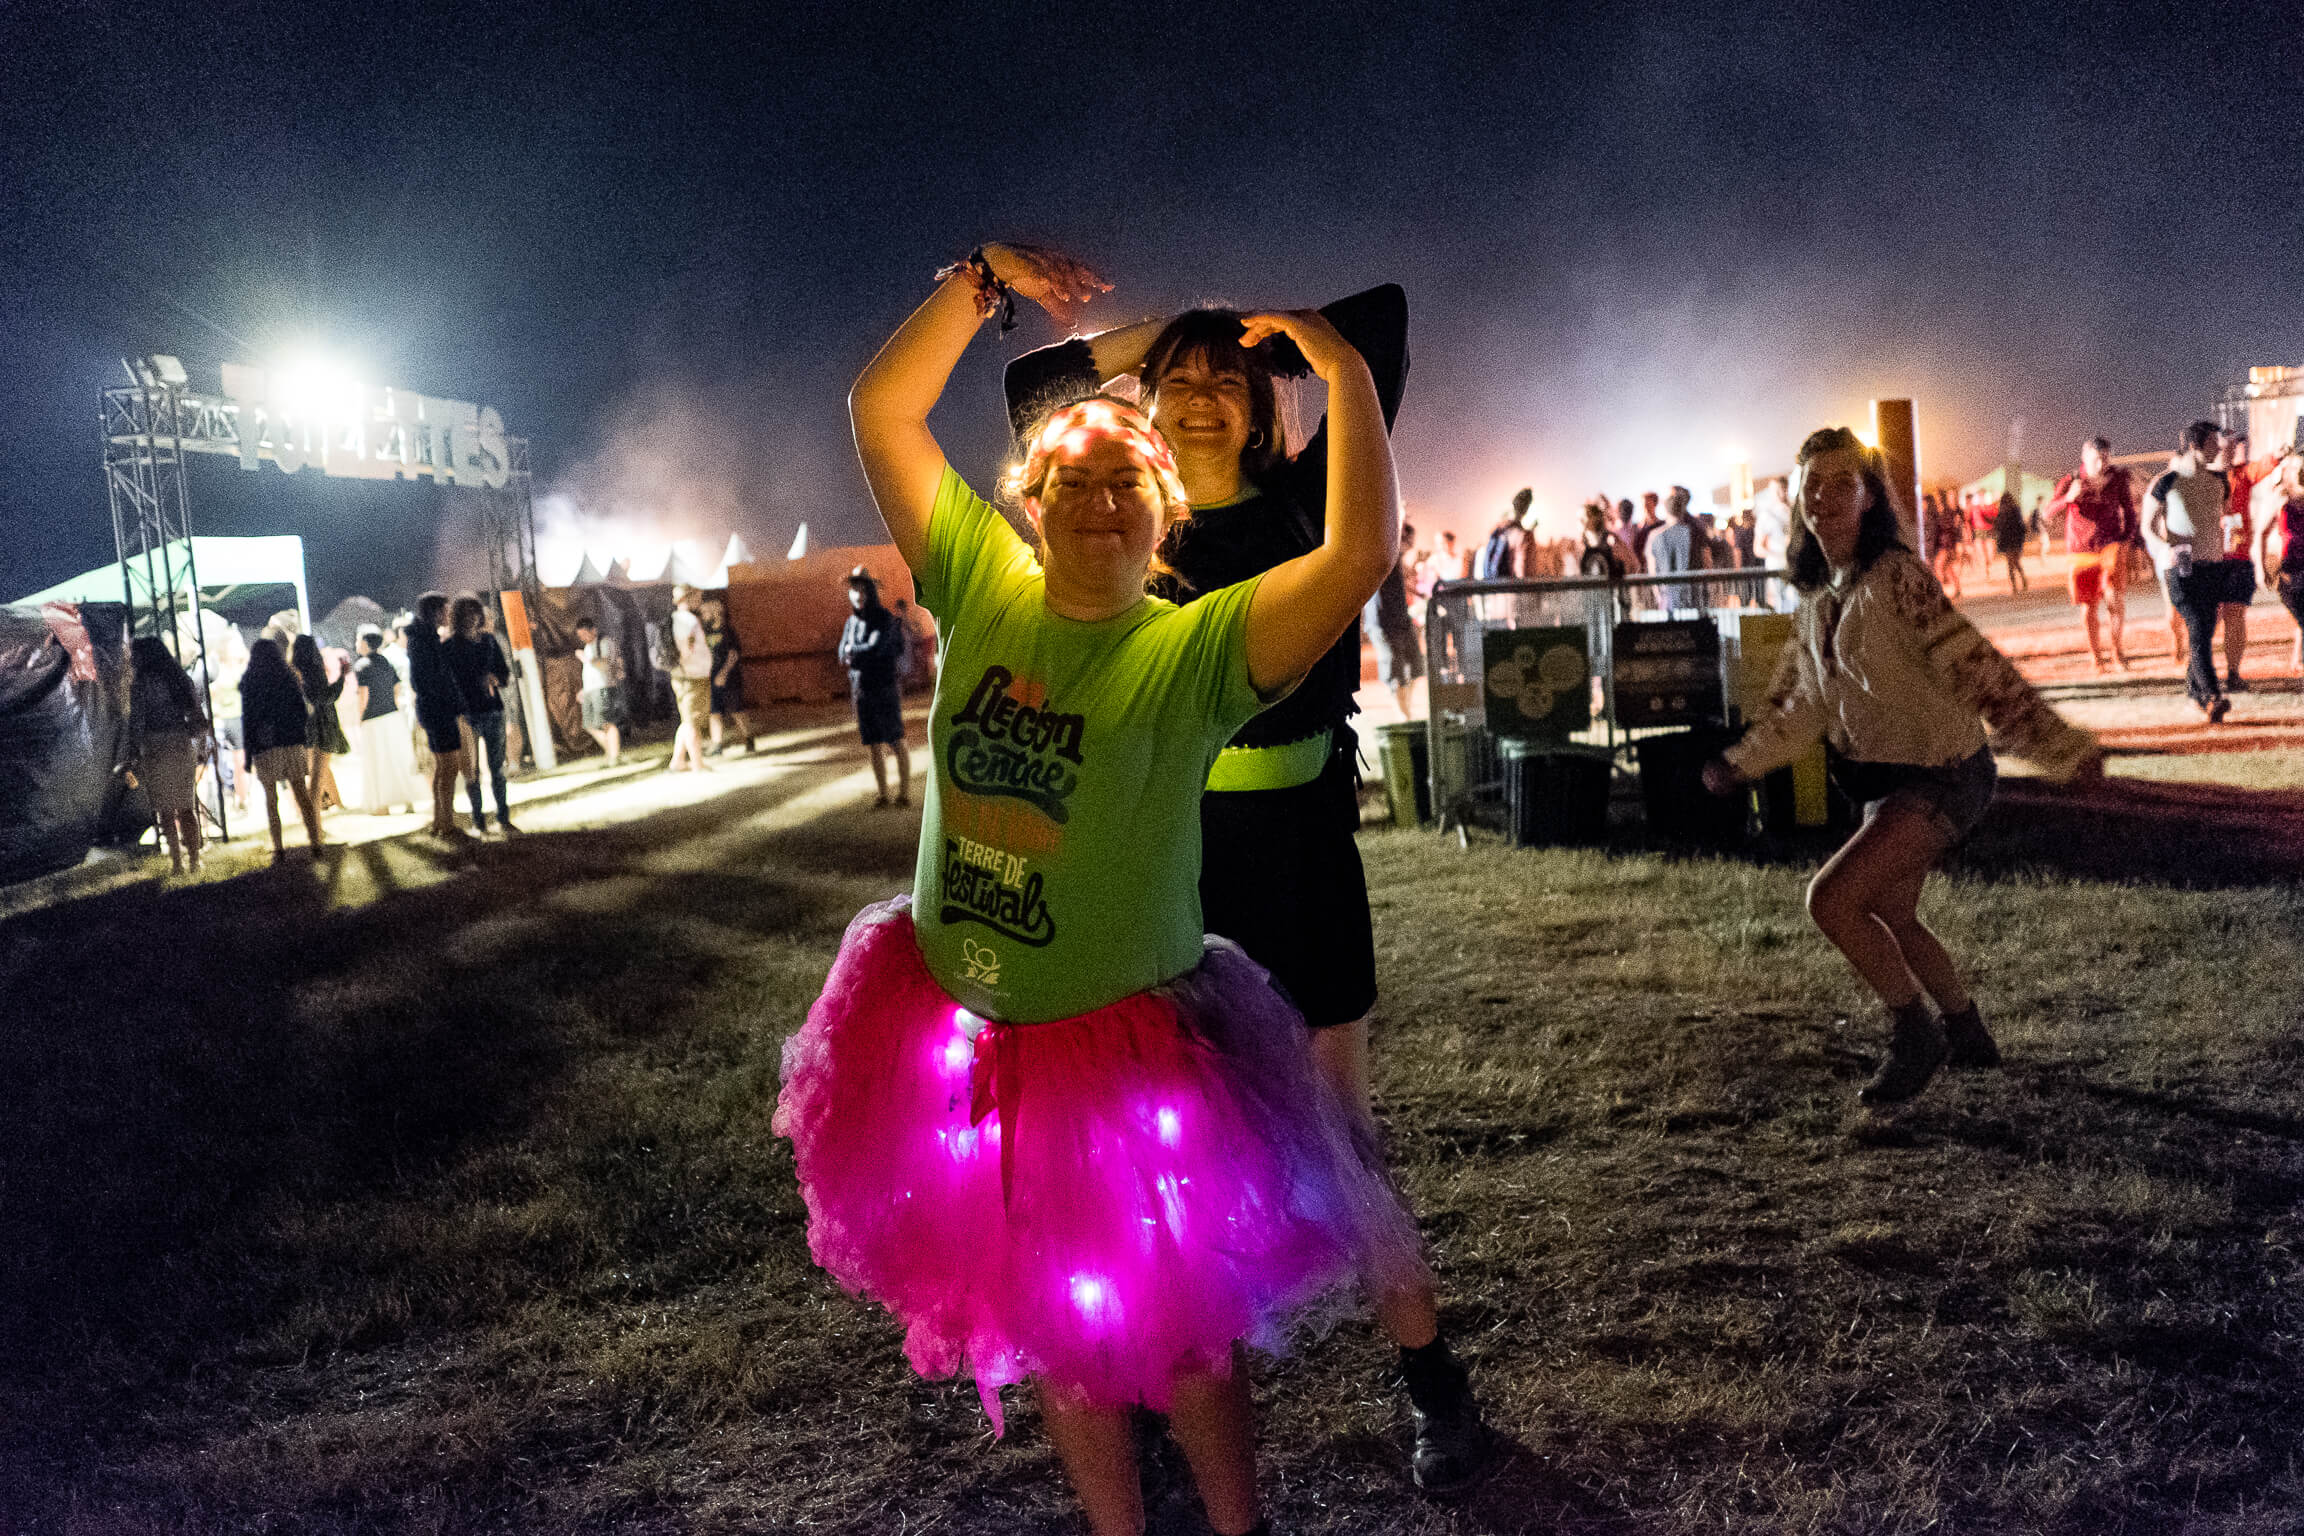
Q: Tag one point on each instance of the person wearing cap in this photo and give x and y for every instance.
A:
(691, 679)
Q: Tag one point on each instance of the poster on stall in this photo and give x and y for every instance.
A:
(1668, 673)
(1537, 683)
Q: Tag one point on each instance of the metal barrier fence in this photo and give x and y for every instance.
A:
(1465, 770)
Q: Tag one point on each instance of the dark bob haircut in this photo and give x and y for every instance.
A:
(1876, 534)
(1211, 338)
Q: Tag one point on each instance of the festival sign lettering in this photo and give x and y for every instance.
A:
(351, 430)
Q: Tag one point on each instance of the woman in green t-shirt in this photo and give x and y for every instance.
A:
(1036, 1114)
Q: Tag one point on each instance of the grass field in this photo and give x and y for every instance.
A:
(458, 1212)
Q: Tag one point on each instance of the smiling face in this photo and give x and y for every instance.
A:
(2091, 461)
(1203, 408)
(1100, 512)
(1833, 496)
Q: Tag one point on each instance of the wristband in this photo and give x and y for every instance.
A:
(992, 295)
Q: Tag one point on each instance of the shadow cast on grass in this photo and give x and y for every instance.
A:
(185, 1064)
(2124, 831)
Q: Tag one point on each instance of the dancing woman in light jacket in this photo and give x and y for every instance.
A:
(1888, 672)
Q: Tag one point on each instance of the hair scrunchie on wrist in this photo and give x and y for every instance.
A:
(992, 295)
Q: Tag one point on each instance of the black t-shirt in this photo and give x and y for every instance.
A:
(472, 661)
(1218, 546)
(376, 675)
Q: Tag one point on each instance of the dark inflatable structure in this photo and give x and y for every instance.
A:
(63, 714)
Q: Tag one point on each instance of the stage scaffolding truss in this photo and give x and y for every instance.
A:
(149, 427)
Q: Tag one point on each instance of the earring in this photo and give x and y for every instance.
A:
(1256, 438)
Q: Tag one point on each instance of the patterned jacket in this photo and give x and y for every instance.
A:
(1884, 668)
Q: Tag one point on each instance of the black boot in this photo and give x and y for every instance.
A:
(1915, 1050)
(1968, 1044)
(1451, 1441)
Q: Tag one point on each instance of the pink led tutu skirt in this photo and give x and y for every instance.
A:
(1097, 1201)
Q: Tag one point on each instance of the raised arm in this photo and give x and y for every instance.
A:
(1301, 607)
(888, 406)
(1047, 377)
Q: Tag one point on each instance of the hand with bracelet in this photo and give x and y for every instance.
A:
(1003, 272)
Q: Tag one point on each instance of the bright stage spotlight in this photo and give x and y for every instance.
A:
(314, 388)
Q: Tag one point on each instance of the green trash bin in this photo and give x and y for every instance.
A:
(1405, 754)
(1555, 793)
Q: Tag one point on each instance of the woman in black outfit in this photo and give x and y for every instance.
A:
(278, 724)
(482, 673)
(1279, 871)
(439, 707)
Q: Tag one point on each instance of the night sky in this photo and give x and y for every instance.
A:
(662, 242)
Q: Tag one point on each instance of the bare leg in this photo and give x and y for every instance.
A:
(2179, 639)
(879, 769)
(1930, 961)
(1410, 1318)
(719, 732)
(2095, 643)
(2235, 637)
(1098, 1449)
(1211, 1420)
(272, 817)
(2116, 605)
(902, 752)
(1846, 897)
(615, 744)
(309, 808)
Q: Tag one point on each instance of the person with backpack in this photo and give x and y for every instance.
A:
(684, 651)
(872, 646)
(1505, 556)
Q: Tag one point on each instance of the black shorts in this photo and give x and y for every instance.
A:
(443, 733)
(879, 713)
(1280, 876)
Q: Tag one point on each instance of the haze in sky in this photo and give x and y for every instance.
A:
(1637, 243)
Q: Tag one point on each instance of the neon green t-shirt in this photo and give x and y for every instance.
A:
(1060, 848)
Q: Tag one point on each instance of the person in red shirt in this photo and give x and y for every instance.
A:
(2099, 505)
(2281, 551)
(2238, 530)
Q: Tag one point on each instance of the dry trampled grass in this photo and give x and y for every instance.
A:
(458, 1212)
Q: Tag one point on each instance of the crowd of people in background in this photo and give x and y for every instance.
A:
(2113, 533)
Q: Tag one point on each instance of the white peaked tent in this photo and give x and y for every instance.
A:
(688, 563)
(647, 564)
(737, 553)
(643, 564)
(799, 550)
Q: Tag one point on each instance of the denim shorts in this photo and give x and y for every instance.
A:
(1954, 796)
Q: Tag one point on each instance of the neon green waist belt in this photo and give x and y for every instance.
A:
(1282, 767)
